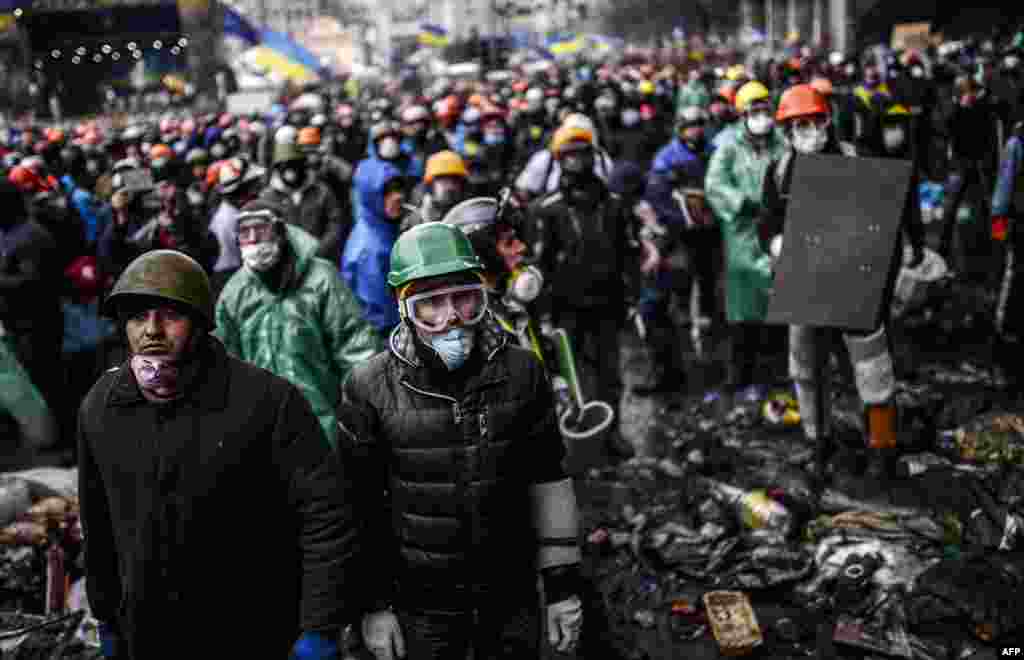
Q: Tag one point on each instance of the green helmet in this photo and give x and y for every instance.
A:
(166, 274)
(429, 250)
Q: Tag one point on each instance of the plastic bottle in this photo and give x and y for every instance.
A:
(755, 510)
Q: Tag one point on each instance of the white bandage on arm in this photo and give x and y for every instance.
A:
(556, 520)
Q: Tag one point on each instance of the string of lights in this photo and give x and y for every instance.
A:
(132, 50)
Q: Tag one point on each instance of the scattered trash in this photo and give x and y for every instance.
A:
(733, 622)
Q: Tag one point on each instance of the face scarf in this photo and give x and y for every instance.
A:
(261, 257)
(159, 377)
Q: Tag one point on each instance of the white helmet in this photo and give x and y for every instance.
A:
(286, 135)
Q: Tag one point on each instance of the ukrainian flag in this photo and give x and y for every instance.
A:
(569, 46)
(281, 55)
(433, 35)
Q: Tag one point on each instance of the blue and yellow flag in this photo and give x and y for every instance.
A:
(433, 35)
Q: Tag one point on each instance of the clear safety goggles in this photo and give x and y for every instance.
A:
(811, 122)
(433, 310)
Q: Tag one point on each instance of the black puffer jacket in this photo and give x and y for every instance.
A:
(456, 456)
(223, 514)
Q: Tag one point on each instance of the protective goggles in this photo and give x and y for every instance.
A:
(811, 122)
(433, 310)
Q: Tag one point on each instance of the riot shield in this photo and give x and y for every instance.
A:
(840, 249)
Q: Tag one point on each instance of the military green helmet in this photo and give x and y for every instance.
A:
(166, 274)
(429, 250)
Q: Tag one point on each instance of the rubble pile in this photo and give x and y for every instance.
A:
(929, 567)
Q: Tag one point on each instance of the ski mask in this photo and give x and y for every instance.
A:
(159, 375)
(454, 346)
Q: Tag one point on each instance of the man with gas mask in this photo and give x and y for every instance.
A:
(531, 130)
(183, 441)
(806, 117)
(444, 185)
(238, 183)
(380, 193)
(261, 304)
(912, 89)
(578, 239)
(309, 202)
(78, 184)
(416, 416)
(734, 185)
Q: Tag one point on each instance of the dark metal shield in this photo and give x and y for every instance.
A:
(840, 246)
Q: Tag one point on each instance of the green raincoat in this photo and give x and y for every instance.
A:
(733, 186)
(20, 398)
(312, 332)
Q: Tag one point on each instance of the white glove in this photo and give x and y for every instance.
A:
(383, 636)
(565, 620)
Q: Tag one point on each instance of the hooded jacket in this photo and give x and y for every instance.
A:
(734, 186)
(312, 207)
(366, 258)
(311, 332)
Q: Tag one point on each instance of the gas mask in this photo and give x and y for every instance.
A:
(263, 256)
(218, 151)
(894, 138)
(446, 192)
(809, 139)
(389, 148)
(917, 71)
(525, 284)
(577, 164)
(760, 123)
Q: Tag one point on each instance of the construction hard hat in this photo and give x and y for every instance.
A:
(235, 172)
(445, 163)
(646, 87)
(431, 249)
(897, 110)
(309, 137)
(166, 275)
(159, 154)
(749, 94)
(735, 72)
(567, 135)
(801, 101)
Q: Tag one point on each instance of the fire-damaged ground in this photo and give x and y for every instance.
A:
(928, 563)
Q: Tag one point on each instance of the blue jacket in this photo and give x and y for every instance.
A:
(94, 214)
(673, 157)
(366, 256)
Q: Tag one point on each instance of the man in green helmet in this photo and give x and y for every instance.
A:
(184, 448)
(453, 436)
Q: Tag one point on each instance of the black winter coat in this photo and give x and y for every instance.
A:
(217, 526)
(445, 463)
(30, 278)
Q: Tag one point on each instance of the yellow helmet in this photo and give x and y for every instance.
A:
(646, 87)
(568, 134)
(444, 163)
(735, 72)
(750, 93)
(898, 110)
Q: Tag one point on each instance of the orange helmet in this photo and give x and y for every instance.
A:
(26, 180)
(728, 92)
(213, 173)
(54, 135)
(160, 154)
(476, 100)
(567, 135)
(309, 137)
(823, 85)
(801, 101)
